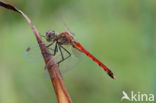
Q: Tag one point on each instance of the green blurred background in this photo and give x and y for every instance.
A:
(120, 33)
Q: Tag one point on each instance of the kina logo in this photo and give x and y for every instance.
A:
(138, 96)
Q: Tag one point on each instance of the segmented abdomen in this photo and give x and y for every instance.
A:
(80, 47)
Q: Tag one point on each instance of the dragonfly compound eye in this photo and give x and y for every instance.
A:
(50, 35)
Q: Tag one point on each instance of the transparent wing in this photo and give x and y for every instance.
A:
(66, 27)
(70, 63)
(33, 54)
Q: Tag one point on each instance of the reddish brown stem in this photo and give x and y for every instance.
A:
(58, 84)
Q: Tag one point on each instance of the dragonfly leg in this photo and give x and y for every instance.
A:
(60, 49)
(55, 50)
(42, 35)
(50, 45)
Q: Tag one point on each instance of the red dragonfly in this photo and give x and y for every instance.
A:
(66, 38)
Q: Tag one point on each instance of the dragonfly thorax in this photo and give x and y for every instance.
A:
(64, 39)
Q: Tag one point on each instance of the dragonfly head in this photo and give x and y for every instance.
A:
(50, 35)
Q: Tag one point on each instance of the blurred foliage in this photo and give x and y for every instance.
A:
(120, 33)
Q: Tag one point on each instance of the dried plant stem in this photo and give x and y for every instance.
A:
(58, 84)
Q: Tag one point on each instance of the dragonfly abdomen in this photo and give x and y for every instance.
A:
(80, 47)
